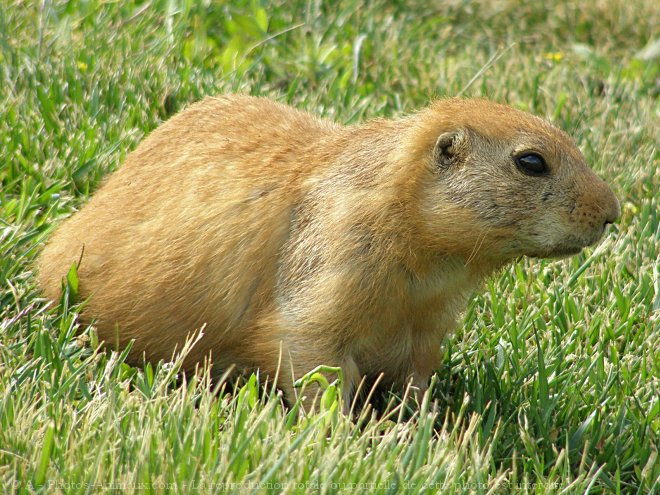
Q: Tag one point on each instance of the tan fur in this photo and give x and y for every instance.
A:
(346, 246)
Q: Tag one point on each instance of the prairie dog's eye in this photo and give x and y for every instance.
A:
(531, 164)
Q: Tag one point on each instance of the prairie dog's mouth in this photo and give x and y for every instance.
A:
(569, 247)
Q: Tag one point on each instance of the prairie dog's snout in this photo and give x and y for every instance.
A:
(598, 209)
(299, 242)
(605, 208)
(594, 208)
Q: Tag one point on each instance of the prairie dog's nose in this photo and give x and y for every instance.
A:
(598, 206)
(611, 207)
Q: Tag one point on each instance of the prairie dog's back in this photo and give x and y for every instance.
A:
(206, 196)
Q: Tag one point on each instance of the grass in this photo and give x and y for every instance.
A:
(549, 386)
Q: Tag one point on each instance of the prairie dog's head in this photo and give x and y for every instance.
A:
(505, 183)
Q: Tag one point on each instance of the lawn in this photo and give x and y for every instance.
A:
(551, 383)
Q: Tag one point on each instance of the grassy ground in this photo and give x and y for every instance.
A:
(550, 386)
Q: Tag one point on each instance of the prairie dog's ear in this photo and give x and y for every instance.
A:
(449, 147)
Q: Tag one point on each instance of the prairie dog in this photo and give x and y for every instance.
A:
(298, 238)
